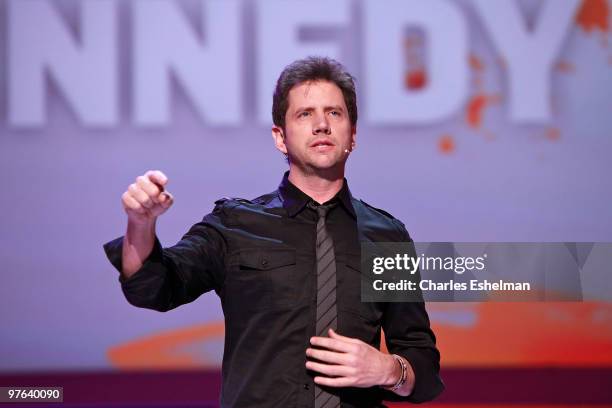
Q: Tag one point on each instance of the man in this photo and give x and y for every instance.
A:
(286, 266)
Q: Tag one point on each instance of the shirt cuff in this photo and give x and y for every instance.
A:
(114, 253)
(427, 382)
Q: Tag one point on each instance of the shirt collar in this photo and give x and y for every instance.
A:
(294, 200)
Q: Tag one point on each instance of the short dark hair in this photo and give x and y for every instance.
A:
(313, 69)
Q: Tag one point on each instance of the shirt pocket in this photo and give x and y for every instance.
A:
(263, 278)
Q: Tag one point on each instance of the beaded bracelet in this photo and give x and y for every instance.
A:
(403, 377)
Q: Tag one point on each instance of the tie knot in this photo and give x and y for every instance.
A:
(321, 210)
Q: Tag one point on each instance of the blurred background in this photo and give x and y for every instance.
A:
(480, 120)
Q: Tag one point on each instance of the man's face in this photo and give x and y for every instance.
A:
(317, 127)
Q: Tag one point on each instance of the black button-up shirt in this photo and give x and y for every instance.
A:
(259, 257)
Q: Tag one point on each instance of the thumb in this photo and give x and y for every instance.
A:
(166, 199)
(334, 335)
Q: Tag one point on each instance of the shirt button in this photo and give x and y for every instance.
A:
(306, 386)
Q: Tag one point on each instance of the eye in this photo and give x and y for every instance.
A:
(303, 114)
(335, 113)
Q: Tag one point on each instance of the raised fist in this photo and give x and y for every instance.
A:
(147, 198)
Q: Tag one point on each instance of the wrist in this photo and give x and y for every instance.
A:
(138, 225)
(400, 374)
(393, 372)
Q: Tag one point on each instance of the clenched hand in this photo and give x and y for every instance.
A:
(147, 199)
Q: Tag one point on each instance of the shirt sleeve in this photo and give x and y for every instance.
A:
(173, 276)
(408, 334)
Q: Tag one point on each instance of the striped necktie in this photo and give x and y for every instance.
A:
(327, 315)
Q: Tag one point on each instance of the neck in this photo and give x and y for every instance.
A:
(321, 186)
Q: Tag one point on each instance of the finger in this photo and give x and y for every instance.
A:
(130, 204)
(140, 196)
(166, 199)
(331, 344)
(334, 382)
(151, 189)
(330, 370)
(157, 177)
(327, 356)
(334, 335)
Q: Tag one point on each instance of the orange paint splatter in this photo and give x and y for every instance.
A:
(415, 79)
(489, 340)
(475, 62)
(165, 349)
(476, 108)
(594, 15)
(565, 67)
(446, 144)
(497, 321)
(553, 134)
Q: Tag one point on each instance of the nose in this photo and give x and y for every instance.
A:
(321, 126)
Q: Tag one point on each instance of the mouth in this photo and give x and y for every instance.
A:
(322, 144)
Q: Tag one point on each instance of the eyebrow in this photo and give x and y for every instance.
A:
(327, 108)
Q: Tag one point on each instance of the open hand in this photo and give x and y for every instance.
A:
(349, 362)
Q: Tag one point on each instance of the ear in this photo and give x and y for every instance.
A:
(353, 136)
(279, 139)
